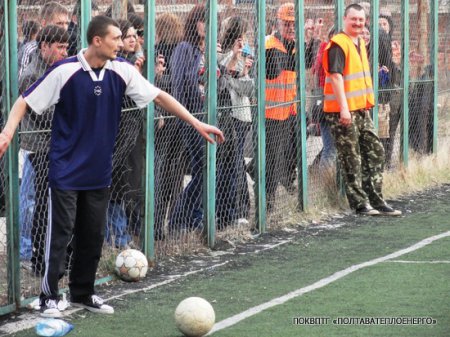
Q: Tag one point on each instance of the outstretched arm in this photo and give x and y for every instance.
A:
(170, 104)
(17, 112)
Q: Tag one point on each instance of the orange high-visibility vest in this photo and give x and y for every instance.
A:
(357, 80)
(280, 90)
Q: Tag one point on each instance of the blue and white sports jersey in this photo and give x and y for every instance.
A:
(86, 118)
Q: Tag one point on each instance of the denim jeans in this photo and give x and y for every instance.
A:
(328, 157)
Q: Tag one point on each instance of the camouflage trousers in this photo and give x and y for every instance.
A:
(361, 158)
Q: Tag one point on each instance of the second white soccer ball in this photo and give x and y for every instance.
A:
(131, 265)
(194, 316)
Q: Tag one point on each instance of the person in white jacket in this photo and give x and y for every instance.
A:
(236, 88)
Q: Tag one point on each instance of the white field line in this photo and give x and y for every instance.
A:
(419, 262)
(267, 247)
(321, 283)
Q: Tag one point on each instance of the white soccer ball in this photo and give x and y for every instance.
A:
(131, 265)
(194, 316)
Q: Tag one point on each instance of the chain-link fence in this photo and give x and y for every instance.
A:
(50, 31)
(3, 183)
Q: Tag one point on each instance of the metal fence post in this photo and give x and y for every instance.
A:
(302, 163)
(434, 46)
(405, 76)
(260, 122)
(84, 22)
(209, 170)
(149, 237)
(374, 28)
(12, 200)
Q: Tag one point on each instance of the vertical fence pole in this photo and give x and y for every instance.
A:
(405, 77)
(209, 170)
(12, 199)
(339, 9)
(338, 23)
(149, 36)
(434, 52)
(84, 20)
(301, 107)
(374, 28)
(260, 122)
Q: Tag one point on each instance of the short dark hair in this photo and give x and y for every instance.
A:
(136, 21)
(355, 7)
(99, 27)
(51, 34)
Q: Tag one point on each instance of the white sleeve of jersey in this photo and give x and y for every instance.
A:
(45, 92)
(141, 91)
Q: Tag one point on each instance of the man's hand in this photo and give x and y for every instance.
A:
(205, 130)
(5, 139)
(345, 117)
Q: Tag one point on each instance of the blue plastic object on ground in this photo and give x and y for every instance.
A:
(53, 327)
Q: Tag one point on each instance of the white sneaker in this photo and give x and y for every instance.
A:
(95, 304)
(50, 309)
(35, 305)
(243, 222)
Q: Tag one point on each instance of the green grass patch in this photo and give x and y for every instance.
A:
(252, 279)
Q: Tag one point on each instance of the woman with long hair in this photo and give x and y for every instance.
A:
(187, 68)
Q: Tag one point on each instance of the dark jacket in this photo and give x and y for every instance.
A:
(35, 141)
(185, 76)
(276, 61)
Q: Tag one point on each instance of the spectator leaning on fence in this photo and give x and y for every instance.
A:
(52, 43)
(170, 156)
(327, 159)
(280, 107)
(393, 96)
(348, 96)
(30, 30)
(87, 91)
(188, 70)
(235, 120)
(52, 13)
(124, 207)
(138, 24)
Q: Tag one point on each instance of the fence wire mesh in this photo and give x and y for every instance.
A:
(3, 168)
(444, 73)
(43, 40)
(49, 31)
(421, 98)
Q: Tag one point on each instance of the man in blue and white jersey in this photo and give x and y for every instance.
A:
(87, 91)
